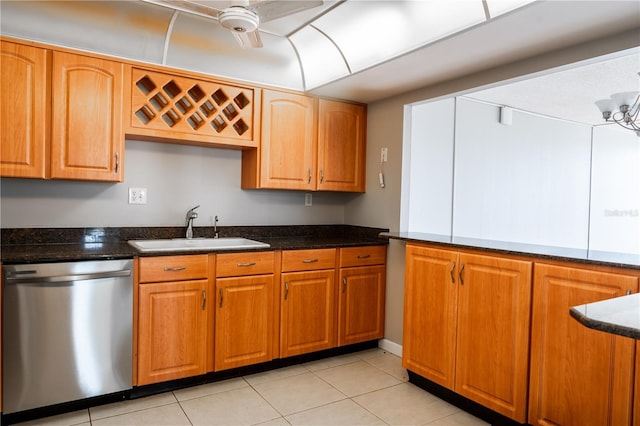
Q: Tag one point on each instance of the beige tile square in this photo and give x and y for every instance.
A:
(368, 353)
(298, 393)
(79, 417)
(335, 361)
(209, 389)
(345, 412)
(357, 378)
(459, 419)
(405, 404)
(242, 406)
(171, 415)
(131, 405)
(391, 364)
(280, 421)
(280, 373)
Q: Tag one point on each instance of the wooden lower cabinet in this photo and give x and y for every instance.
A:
(579, 376)
(636, 407)
(172, 330)
(467, 320)
(307, 312)
(244, 321)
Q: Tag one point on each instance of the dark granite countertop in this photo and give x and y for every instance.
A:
(620, 315)
(591, 257)
(37, 245)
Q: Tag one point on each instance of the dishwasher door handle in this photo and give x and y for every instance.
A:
(25, 279)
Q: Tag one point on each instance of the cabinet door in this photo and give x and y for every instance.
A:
(244, 321)
(430, 308)
(494, 306)
(307, 312)
(87, 140)
(341, 146)
(361, 304)
(172, 334)
(288, 144)
(579, 376)
(24, 110)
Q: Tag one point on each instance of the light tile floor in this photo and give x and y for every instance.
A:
(363, 388)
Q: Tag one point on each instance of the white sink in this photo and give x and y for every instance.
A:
(179, 244)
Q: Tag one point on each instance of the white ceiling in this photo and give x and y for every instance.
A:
(448, 39)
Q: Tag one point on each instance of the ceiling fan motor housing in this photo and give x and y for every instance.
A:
(239, 19)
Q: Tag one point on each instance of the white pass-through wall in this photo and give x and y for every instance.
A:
(538, 180)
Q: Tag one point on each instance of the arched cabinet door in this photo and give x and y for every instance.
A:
(24, 110)
(87, 138)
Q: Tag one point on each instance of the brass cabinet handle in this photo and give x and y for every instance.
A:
(244, 265)
(309, 177)
(221, 297)
(204, 299)
(309, 260)
(460, 274)
(174, 269)
(321, 176)
(364, 256)
(117, 162)
(286, 290)
(453, 267)
(344, 284)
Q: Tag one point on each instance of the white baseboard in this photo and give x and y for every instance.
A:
(390, 346)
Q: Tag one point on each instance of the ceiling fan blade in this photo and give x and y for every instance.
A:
(269, 10)
(248, 39)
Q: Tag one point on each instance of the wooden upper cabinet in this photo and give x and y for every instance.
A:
(341, 146)
(286, 158)
(87, 138)
(579, 376)
(181, 108)
(24, 110)
(307, 144)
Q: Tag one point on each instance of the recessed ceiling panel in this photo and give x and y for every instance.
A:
(498, 7)
(371, 32)
(321, 61)
(201, 44)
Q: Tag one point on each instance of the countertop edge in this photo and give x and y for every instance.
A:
(514, 249)
(606, 327)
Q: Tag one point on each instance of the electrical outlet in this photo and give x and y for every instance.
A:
(308, 199)
(137, 195)
(383, 155)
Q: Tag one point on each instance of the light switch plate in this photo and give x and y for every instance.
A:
(308, 199)
(137, 195)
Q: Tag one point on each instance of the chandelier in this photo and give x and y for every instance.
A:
(622, 109)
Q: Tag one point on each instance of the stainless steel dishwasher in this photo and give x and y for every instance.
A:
(67, 332)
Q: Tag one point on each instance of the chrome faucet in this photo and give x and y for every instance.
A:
(191, 214)
(215, 227)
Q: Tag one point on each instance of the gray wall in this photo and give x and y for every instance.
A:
(177, 177)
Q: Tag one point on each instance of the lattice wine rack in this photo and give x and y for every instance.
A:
(178, 104)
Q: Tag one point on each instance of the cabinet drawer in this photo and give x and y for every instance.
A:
(173, 268)
(361, 256)
(308, 260)
(239, 264)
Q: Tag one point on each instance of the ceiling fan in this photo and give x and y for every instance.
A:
(241, 17)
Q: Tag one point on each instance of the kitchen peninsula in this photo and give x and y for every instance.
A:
(476, 309)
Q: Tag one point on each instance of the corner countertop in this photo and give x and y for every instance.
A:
(591, 257)
(38, 245)
(620, 315)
